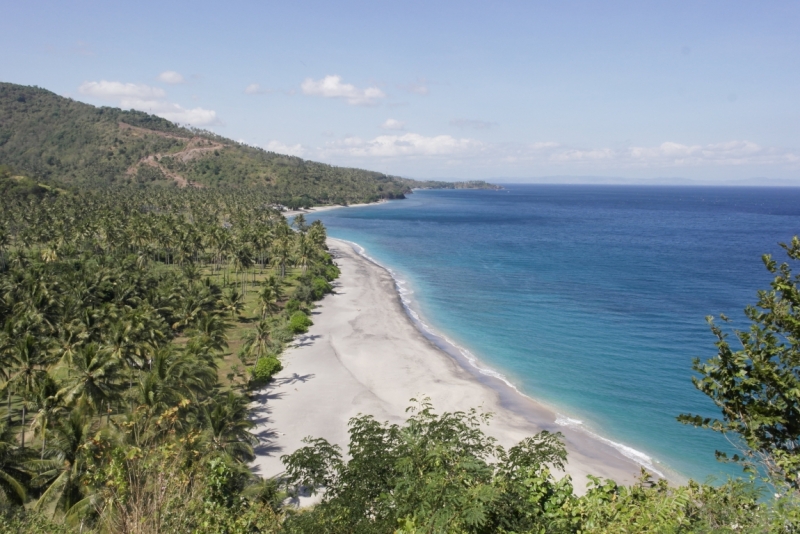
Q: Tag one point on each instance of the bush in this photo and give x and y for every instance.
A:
(320, 287)
(299, 323)
(265, 368)
(292, 306)
(332, 272)
(24, 521)
(304, 293)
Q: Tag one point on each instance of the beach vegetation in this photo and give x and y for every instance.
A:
(442, 473)
(757, 387)
(265, 369)
(299, 322)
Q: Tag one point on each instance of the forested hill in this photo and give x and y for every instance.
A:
(51, 138)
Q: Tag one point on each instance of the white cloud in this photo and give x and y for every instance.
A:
(172, 112)
(171, 77)
(472, 153)
(148, 99)
(282, 148)
(392, 124)
(115, 90)
(256, 89)
(410, 144)
(420, 87)
(472, 124)
(332, 87)
(672, 154)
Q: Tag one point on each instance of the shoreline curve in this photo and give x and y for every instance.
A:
(365, 355)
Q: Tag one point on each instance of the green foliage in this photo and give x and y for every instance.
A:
(265, 368)
(20, 521)
(299, 322)
(114, 310)
(435, 473)
(757, 388)
(320, 287)
(292, 306)
(20, 186)
(332, 272)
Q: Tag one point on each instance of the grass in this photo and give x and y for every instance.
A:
(232, 371)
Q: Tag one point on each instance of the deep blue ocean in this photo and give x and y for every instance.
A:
(591, 299)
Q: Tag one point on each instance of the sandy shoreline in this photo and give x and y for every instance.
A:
(364, 355)
(292, 213)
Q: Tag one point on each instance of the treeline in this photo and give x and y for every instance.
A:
(435, 184)
(50, 138)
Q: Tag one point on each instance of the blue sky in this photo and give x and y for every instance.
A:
(707, 91)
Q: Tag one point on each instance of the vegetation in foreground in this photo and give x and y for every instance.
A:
(136, 322)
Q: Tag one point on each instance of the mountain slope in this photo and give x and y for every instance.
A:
(49, 137)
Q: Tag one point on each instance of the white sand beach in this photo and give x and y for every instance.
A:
(315, 209)
(363, 355)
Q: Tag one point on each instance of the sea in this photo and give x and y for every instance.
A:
(589, 299)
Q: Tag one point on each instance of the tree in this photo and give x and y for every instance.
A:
(758, 387)
(27, 360)
(66, 461)
(233, 301)
(11, 468)
(96, 380)
(267, 301)
(227, 427)
(435, 473)
(300, 223)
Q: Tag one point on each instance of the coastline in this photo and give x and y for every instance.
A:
(364, 354)
(315, 209)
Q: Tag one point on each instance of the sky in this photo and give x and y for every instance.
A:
(702, 91)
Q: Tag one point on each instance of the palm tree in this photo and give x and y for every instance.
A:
(232, 301)
(11, 468)
(281, 253)
(65, 464)
(210, 329)
(27, 371)
(48, 407)
(300, 222)
(227, 427)
(267, 301)
(95, 383)
(305, 251)
(257, 342)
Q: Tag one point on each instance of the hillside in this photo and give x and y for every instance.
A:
(55, 139)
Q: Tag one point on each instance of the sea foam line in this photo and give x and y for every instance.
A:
(637, 456)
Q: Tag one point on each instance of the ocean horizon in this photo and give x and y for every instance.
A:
(588, 298)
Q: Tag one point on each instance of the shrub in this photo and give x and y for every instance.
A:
(332, 272)
(304, 293)
(292, 306)
(319, 287)
(264, 370)
(299, 323)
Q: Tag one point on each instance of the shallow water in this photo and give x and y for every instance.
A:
(589, 298)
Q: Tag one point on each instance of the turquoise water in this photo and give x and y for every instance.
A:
(589, 298)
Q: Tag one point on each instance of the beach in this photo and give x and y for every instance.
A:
(364, 355)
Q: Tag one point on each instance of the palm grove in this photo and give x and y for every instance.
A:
(116, 308)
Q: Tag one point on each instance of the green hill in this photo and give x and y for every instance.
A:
(54, 139)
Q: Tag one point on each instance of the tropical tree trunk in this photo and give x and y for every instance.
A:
(23, 426)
